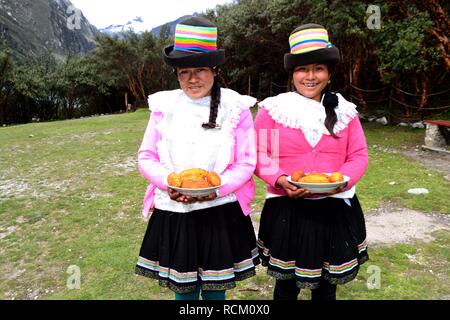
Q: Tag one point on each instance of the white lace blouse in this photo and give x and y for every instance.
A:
(182, 134)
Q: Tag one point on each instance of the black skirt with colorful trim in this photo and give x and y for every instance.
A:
(310, 240)
(211, 248)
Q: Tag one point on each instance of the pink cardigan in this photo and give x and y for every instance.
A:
(348, 154)
(237, 176)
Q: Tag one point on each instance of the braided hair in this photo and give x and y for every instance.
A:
(214, 105)
(330, 102)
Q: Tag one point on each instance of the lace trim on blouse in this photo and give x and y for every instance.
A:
(297, 112)
(230, 108)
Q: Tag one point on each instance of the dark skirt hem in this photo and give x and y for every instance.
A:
(220, 240)
(312, 240)
(314, 284)
(210, 286)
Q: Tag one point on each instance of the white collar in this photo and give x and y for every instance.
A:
(233, 102)
(298, 112)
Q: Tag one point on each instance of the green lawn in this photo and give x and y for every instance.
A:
(71, 195)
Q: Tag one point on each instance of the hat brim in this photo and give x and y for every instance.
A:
(325, 55)
(185, 59)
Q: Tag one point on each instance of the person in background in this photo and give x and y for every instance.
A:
(198, 245)
(307, 240)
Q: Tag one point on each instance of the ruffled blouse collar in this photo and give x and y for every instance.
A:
(295, 111)
(175, 103)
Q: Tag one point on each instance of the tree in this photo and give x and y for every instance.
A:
(6, 69)
(254, 53)
(79, 83)
(135, 58)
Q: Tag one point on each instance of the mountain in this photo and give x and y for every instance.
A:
(172, 25)
(34, 27)
(139, 25)
(135, 24)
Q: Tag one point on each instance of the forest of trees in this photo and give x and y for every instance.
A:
(400, 69)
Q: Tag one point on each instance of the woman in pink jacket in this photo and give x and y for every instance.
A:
(198, 244)
(307, 240)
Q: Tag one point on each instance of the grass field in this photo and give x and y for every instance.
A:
(71, 195)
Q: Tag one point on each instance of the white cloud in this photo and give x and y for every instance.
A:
(103, 13)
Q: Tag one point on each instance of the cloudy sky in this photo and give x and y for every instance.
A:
(103, 13)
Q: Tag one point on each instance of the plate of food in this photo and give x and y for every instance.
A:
(196, 192)
(318, 182)
(194, 182)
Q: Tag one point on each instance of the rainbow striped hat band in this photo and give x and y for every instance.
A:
(310, 44)
(309, 40)
(194, 38)
(195, 45)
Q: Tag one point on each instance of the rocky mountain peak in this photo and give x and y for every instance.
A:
(34, 27)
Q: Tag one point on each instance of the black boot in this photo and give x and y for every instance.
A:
(285, 290)
(325, 292)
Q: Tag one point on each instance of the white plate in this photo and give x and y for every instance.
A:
(201, 192)
(319, 187)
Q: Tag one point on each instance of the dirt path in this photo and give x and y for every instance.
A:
(391, 224)
(431, 159)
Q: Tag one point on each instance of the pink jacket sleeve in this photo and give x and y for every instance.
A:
(241, 169)
(149, 163)
(357, 156)
(267, 168)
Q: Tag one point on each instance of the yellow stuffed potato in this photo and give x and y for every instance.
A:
(194, 178)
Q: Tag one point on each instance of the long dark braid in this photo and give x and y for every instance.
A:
(330, 102)
(214, 106)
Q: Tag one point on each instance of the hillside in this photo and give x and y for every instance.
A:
(34, 27)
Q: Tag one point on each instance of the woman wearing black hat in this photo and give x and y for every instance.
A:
(198, 244)
(310, 240)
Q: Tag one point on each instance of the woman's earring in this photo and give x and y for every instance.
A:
(329, 81)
